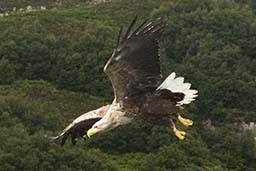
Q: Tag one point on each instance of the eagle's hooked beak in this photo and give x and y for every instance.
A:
(92, 131)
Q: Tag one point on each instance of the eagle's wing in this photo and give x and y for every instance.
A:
(78, 127)
(134, 67)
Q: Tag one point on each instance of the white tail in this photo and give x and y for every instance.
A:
(177, 85)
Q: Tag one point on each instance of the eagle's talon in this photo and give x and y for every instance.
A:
(184, 121)
(180, 134)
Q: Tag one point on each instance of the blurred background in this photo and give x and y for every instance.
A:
(52, 55)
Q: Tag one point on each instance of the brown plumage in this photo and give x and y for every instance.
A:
(134, 71)
(134, 67)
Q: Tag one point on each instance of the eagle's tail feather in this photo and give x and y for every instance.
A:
(177, 85)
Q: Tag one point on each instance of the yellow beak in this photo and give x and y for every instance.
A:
(92, 131)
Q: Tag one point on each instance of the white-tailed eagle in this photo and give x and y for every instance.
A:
(134, 71)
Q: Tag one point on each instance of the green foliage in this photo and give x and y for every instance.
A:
(8, 5)
(39, 105)
(213, 44)
(7, 72)
(24, 152)
(51, 66)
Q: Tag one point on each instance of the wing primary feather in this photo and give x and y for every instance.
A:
(130, 28)
(73, 137)
(64, 140)
(139, 28)
(140, 60)
(145, 28)
(150, 24)
(157, 28)
(158, 31)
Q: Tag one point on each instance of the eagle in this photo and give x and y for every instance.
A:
(134, 71)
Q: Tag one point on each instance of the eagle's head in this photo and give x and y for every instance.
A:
(113, 117)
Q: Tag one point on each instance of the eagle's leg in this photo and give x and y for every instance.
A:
(180, 134)
(185, 121)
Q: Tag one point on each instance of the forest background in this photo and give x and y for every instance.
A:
(51, 71)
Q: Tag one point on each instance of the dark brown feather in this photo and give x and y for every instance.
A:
(136, 31)
(76, 131)
(129, 29)
(134, 67)
(160, 105)
(168, 95)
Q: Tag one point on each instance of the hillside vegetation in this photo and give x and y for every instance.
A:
(51, 71)
(10, 5)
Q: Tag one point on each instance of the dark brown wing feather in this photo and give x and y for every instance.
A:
(162, 103)
(75, 131)
(169, 95)
(134, 67)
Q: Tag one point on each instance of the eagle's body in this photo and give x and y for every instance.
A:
(134, 70)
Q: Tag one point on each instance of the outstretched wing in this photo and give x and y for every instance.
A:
(79, 127)
(134, 67)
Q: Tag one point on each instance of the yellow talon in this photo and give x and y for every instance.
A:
(184, 121)
(180, 134)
